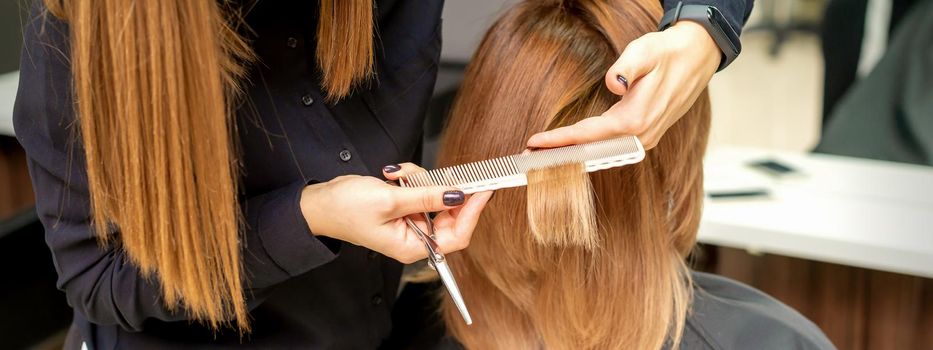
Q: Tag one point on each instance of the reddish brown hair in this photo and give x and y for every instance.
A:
(539, 67)
(156, 126)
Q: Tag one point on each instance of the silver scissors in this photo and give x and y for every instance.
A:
(438, 262)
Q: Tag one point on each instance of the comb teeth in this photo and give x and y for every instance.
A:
(509, 171)
(460, 175)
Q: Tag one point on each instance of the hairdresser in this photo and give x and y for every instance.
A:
(212, 173)
(660, 75)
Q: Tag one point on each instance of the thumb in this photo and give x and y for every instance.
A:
(636, 61)
(426, 199)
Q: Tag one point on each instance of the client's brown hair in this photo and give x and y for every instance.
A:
(541, 66)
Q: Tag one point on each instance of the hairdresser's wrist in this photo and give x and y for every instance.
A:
(313, 208)
(691, 41)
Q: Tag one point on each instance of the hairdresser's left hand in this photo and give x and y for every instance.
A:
(665, 73)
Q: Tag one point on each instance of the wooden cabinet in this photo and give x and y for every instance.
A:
(15, 188)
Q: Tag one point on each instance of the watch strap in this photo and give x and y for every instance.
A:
(710, 19)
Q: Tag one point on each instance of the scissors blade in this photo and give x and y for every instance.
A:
(448, 278)
(437, 260)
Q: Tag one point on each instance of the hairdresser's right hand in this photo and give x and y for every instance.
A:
(368, 212)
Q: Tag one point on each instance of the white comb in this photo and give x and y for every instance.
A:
(509, 171)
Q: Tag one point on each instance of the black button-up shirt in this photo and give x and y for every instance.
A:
(306, 291)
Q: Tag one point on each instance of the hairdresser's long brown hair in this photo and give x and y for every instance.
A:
(541, 66)
(154, 82)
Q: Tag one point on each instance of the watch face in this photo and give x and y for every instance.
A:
(716, 19)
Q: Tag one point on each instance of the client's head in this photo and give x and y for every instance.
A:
(575, 260)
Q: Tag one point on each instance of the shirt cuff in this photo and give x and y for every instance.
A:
(285, 235)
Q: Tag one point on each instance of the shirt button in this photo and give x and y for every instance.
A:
(307, 100)
(345, 155)
(291, 42)
(372, 255)
(376, 300)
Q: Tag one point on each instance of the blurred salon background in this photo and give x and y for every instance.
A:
(818, 173)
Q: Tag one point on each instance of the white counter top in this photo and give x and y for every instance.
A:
(8, 85)
(857, 212)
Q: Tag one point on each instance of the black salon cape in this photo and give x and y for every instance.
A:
(305, 291)
(728, 315)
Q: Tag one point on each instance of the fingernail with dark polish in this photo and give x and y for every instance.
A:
(453, 198)
(391, 168)
(622, 80)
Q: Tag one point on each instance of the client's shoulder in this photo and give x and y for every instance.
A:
(730, 315)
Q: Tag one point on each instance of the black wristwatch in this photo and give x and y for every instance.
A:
(710, 18)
